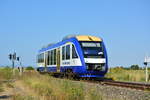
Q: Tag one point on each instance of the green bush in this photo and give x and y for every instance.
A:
(135, 67)
(29, 68)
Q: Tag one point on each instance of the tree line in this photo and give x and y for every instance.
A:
(132, 67)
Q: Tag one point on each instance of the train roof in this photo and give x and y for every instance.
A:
(88, 38)
(83, 38)
(78, 37)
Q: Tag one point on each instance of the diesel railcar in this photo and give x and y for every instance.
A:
(82, 55)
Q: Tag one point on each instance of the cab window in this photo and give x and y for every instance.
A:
(74, 53)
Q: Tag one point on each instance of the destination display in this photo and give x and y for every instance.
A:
(91, 44)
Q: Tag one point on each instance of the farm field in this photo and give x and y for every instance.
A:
(34, 86)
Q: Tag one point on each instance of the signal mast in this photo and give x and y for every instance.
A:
(13, 58)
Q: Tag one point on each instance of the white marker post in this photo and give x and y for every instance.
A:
(20, 69)
(146, 61)
(20, 66)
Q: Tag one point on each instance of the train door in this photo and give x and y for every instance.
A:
(45, 61)
(58, 60)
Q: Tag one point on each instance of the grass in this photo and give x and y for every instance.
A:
(121, 74)
(44, 87)
(1, 87)
(20, 97)
(52, 88)
(6, 73)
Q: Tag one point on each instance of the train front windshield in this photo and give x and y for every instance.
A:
(92, 49)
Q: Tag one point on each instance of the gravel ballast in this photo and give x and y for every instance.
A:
(118, 93)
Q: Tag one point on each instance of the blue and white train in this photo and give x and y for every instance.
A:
(82, 55)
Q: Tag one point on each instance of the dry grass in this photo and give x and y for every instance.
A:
(50, 88)
(121, 74)
(6, 73)
(1, 87)
(20, 97)
(45, 87)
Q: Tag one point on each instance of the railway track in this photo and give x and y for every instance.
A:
(132, 85)
(105, 81)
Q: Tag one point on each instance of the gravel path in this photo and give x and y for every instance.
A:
(11, 89)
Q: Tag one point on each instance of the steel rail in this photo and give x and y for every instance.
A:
(132, 85)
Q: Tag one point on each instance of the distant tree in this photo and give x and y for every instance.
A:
(126, 68)
(29, 68)
(135, 67)
(141, 68)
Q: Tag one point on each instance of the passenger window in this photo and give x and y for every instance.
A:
(49, 58)
(67, 52)
(74, 53)
(38, 58)
(41, 58)
(52, 57)
(55, 57)
(63, 53)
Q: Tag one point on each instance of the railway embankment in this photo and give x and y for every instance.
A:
(34, 86)
(118, 93)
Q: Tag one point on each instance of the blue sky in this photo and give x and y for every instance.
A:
(27, 25)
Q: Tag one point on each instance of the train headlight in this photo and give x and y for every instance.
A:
(103, 68)
(100, 53)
